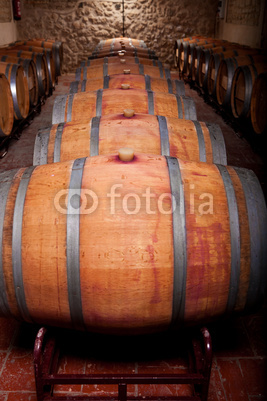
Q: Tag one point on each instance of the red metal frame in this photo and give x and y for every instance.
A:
(46, 355)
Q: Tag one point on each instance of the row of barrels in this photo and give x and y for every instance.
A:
(31, 68)
(129, 220)
(232, 74)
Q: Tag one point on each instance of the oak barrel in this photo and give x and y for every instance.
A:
(55, 46)
(186, 51)
(258, 105)
(127, 47)
(177, 45)
(211, 73)
(121, 59)
(114, 42)
(133, 81)
(41, 67)
(19, 88)
(31, 74)
(186, 139)
(99, 71)
(49, 58)
(156, 243)
(6, 107)
(204, 59)
(227, 50)
(85, 105)
(195, 58)
(242, 84)
(226, 72)
(144, 53)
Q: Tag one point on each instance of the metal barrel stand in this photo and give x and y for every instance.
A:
(46, 356)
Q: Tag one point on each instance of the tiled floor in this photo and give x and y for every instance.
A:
(239, 370)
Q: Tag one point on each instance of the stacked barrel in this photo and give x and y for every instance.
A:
(227, 72)
(31, 68)
(129, 220)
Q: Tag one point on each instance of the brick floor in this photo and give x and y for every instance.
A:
(239, 369)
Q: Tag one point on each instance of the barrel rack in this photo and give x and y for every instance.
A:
(46, 357)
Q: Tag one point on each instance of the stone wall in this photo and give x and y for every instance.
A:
(82, 24)
(5, 11)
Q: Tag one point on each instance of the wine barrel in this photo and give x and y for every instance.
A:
(211, 73)
(120, 46)
(237, 50)
(177, 45)
(85, 105)
(195, 58)
(190, 52)
(242, 84)
(204, 58)
(31, 74)
(120, 41)
(49, 58)
(121, 59)
(100, 71)
(41, 67)
(133, 52)
(55, 46)
(226, 72)
(157, 243)
(6, 107)
(184, 51)
(258, 105)
(19, 88)
(185, 139)
(130, 81)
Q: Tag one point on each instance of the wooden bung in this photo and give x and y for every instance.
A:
(126, 154)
